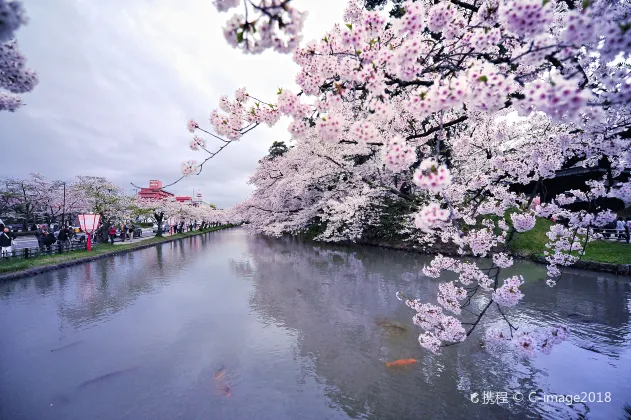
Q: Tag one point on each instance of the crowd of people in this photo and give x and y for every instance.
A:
(127, 231)
(48, 235)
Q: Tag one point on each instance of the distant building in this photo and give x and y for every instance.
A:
(154, 192)
(184, 199)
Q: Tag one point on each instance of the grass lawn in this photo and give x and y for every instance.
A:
(532, 243)
(19, 264)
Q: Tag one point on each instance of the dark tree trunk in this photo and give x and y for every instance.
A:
(159, 217)
(104, 230)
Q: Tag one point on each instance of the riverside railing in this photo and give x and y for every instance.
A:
(35, 252)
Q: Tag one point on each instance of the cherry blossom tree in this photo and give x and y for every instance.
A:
(23, 196)
(56, 199)
(432, 94)
(15, 78)
(105, 198)
(161, 209)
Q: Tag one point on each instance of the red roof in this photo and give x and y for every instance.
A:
(154, 192)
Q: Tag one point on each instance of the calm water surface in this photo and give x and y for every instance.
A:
(142, 336)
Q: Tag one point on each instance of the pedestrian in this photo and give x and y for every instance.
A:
(131, 231)
(48, 239)
(39, 235)
(112, 233)
(64, 242)
(34, 227)
(627, 228)
(620, 228)
(5, 242)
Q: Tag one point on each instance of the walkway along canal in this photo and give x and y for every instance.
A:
(231, 326)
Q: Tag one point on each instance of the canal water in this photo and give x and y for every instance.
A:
(232, 326)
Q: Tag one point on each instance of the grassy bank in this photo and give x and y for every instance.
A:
(20, 264)
(532, 243)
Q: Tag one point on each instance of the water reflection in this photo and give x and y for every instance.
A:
(331, 295)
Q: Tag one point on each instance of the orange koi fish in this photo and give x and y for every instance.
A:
(401, 362)
(221, 372)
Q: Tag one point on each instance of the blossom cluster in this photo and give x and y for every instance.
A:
(432, 176)
(9, 102)
(527, 341)
(191, 126)
(561, 99)
(430, 216)
(330, 128)
(277, 25)
(449, 296)
(526, 17)
(509, 294)
(197, 143)
(523, 222)
(12, 16)
(363, 131)
(439, 327)
(14, 76)
(189, 168)
(397, 154)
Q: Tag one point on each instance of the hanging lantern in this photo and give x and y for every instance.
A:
(89, 223)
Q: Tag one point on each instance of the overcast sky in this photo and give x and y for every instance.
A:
(120, 79)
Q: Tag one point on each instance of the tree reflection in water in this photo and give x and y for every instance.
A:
(331, 296)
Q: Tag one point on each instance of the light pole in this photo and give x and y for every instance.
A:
(63, 211)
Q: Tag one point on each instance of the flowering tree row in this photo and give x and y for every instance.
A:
(35, 198)
(15, 78)
(169, 209)
(423, 107)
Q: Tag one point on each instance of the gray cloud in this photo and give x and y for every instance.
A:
(119, 80)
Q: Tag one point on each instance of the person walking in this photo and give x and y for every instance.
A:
(39, 235)
(620, 228)
(627, 228)
(112, 233)
(48, 239)
(131, 231)
(5, 242)
(63, 238)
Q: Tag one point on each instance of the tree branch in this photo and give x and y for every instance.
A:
(435, 129)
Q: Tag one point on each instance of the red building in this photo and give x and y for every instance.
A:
(187, 199)
(155, 191)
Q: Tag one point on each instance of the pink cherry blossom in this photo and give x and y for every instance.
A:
(189, 167)
(191, 126)
(430, 342)
(509, 294)
(397, 155)
(523, 222)
(197, 143)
